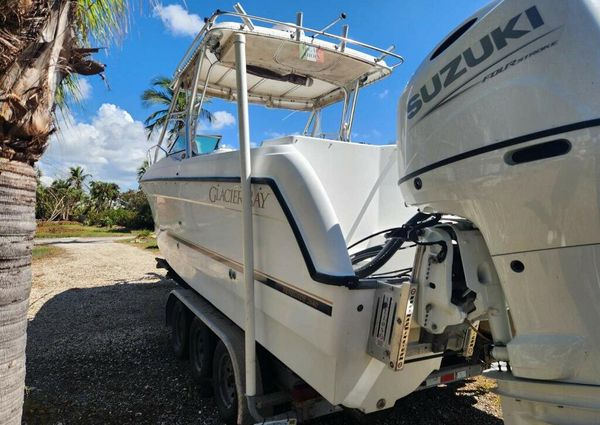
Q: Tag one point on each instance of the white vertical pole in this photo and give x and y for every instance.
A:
(353, 109)
(246, 172)
(189, 126)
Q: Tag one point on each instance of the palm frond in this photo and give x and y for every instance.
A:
(163, 82)
(68, 92)
(150, 128)
(205, 114)
(156, 116)
(162, 94)
(102, 20)
(151, 97)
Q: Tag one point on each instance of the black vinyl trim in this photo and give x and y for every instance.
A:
(504, 144)
(328, 279)
(297, 295)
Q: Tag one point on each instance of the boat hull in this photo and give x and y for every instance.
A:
(308, 205)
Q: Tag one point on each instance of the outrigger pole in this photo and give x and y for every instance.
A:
(246, 182)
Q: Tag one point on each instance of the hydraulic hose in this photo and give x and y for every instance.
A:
(396, 237)
(383, 256)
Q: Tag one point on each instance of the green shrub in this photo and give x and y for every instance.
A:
(103, 206)
(135, 201)
(145, 233)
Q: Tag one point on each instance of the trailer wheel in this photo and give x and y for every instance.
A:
(201, 349)
(180, 326)
(225, 390)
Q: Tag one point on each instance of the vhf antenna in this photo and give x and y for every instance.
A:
(335, 21)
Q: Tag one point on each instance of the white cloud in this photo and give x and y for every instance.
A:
(178, 20)
(46, 181)
(383, 94)
(110, 147)
(221, 119)
(270, 134)
(85, 88)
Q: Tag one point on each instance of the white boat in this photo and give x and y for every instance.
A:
(498, 147)
(313, 197)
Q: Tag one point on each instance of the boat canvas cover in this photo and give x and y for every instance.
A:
(283, 72)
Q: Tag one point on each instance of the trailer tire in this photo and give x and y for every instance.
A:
(180, 327)
(201, 349)
(224, 385)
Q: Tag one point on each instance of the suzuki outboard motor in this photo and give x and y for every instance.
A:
(501, 126)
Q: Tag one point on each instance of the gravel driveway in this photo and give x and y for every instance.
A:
(98, 351)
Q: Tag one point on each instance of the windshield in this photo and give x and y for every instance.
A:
(204, 144)
(178, 145)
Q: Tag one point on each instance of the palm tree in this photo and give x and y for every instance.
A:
(142, 169)
(104, 195)
(44, 44)
(77, 177)
(161, 95)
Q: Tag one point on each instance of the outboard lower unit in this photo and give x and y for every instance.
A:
(500, 126)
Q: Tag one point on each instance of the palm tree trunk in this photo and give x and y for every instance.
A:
(38, 48)
(17, 227)
(27, 94)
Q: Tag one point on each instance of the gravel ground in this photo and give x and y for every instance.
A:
(98, 352)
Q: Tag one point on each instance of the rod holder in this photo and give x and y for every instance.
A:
(299, 17)
(247, 21)
(345, 30)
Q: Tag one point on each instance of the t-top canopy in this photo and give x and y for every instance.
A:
(286, 68)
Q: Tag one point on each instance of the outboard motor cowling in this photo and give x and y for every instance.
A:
(500, 125)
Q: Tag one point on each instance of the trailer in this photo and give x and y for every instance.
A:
(213, 346)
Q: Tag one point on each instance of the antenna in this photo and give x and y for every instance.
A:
(332, 23)
(388, 51)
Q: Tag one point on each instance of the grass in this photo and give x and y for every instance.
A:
(45, 251)
(70, 229)
(147, 243)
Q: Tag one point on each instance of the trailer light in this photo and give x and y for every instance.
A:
(449, 377)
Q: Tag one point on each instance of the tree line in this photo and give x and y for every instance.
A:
(92, 202)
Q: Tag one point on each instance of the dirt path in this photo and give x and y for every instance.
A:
(98, 351)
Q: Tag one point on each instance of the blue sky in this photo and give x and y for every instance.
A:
(105, 133)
